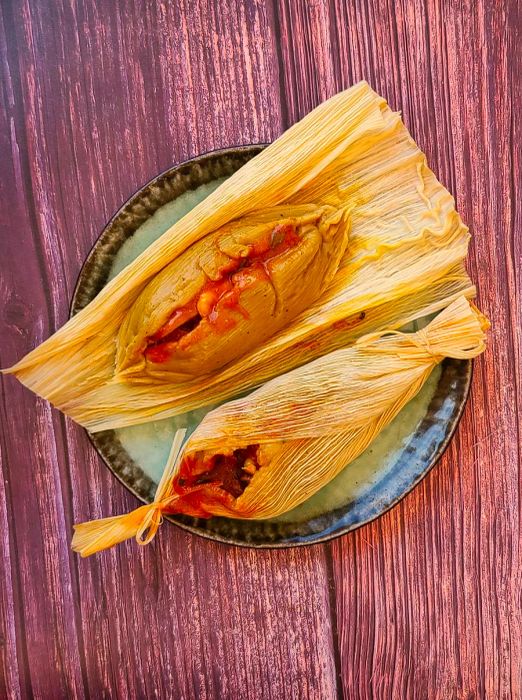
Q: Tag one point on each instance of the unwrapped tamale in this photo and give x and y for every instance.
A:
(231, 291)
(405, 258)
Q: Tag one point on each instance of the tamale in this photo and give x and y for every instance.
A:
(231, 291)
(406, 239)
(263, 454)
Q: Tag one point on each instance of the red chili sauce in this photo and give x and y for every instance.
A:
(218, 299)
(229, 473)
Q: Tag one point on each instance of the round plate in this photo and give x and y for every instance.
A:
(393, 464)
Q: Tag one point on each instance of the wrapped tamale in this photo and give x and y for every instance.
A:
(405, 259)
(263, 454)
(232, 290)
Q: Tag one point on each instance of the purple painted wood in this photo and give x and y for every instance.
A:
(96, 98)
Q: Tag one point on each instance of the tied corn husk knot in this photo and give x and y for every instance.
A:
(443, 337)
(308, 424)
(142, 523)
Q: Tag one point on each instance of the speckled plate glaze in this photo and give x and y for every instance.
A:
(395, 462)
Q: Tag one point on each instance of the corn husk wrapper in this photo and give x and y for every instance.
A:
(309, 423)
(404, 258)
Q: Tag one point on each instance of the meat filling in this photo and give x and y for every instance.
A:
(232, 473)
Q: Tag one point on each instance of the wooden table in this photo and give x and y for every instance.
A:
(97, 96)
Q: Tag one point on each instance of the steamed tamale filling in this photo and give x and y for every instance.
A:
(218, 301)
(231, 291)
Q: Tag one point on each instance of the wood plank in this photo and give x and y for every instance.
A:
(428, 596)
(104, 96)
(40, 630)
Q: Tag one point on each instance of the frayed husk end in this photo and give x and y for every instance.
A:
(142, 523)
(458, 332)
(97, 535)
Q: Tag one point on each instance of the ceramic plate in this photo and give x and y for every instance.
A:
(393, 464)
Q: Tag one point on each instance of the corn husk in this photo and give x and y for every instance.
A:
(309, 424)
(407, 243)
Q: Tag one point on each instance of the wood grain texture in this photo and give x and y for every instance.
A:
(96, 98)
